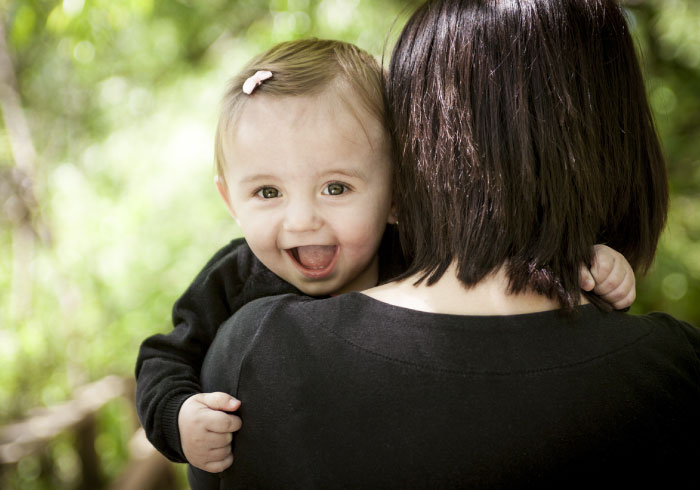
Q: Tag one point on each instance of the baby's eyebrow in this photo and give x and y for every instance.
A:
(255, 178)
(339, 171)
(350, 172)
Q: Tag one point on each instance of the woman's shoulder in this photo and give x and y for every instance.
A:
(679, 330)
(264, 310)
(300, 306)
(241, 332)
(291, 314)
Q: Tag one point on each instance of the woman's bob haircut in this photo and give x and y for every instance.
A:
(523, 136)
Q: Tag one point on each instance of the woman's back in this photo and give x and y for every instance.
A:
(351, 392)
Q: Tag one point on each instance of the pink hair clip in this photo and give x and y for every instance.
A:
(252, 82)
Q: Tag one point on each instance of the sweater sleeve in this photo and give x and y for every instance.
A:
(168, 366)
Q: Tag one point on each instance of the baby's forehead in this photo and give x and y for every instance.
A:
(334, 113)
(369, 111)
(306, 137)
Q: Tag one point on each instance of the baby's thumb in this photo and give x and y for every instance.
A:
(585, 279)
(220, 401)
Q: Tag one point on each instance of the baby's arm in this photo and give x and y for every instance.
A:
(610, 277)
(168, 366)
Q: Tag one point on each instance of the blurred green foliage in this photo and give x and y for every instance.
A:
(122, 99)
(669, 39)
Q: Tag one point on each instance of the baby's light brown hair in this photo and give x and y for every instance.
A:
(305, 67)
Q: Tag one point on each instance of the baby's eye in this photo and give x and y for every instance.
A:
(268, 193)
(335, 189)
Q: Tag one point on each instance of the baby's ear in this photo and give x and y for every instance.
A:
(223, 192)
(393, 218)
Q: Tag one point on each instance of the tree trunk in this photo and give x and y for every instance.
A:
(24, 156)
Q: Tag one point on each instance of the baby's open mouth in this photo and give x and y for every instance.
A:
(314, 257)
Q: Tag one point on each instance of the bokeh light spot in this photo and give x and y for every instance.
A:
(73, 7)
(663, 99)
(674, 286)
(84, 52)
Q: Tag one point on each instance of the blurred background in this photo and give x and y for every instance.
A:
(108, 208)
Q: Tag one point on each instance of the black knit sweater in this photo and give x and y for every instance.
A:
(353, 393)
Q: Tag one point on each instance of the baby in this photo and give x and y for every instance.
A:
(303, 161)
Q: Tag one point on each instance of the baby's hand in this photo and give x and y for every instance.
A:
(611, 277)
(206, 430)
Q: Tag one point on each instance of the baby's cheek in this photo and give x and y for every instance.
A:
(364, 239)
(259, 238)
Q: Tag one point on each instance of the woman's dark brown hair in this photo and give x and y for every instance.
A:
(523, 136)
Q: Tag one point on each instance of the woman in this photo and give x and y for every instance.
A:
(523, 134)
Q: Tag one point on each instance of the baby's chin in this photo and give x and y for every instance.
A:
(316, 289)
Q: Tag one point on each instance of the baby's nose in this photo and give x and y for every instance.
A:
(302, 215)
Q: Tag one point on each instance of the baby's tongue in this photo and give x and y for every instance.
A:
(315, 256)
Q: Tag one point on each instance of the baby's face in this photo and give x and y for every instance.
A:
(309, 183)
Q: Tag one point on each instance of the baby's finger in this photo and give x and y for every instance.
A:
(626, 301)
(219, 453)
(220, 439)
(220, 401)
(614, 279)
(602, 263)
(223, 422)
(585, 278)
(623, 293)
(218, 466)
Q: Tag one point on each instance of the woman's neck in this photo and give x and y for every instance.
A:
(489, 297)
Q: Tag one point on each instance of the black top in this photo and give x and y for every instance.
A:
(350, 392)
(167, 368)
